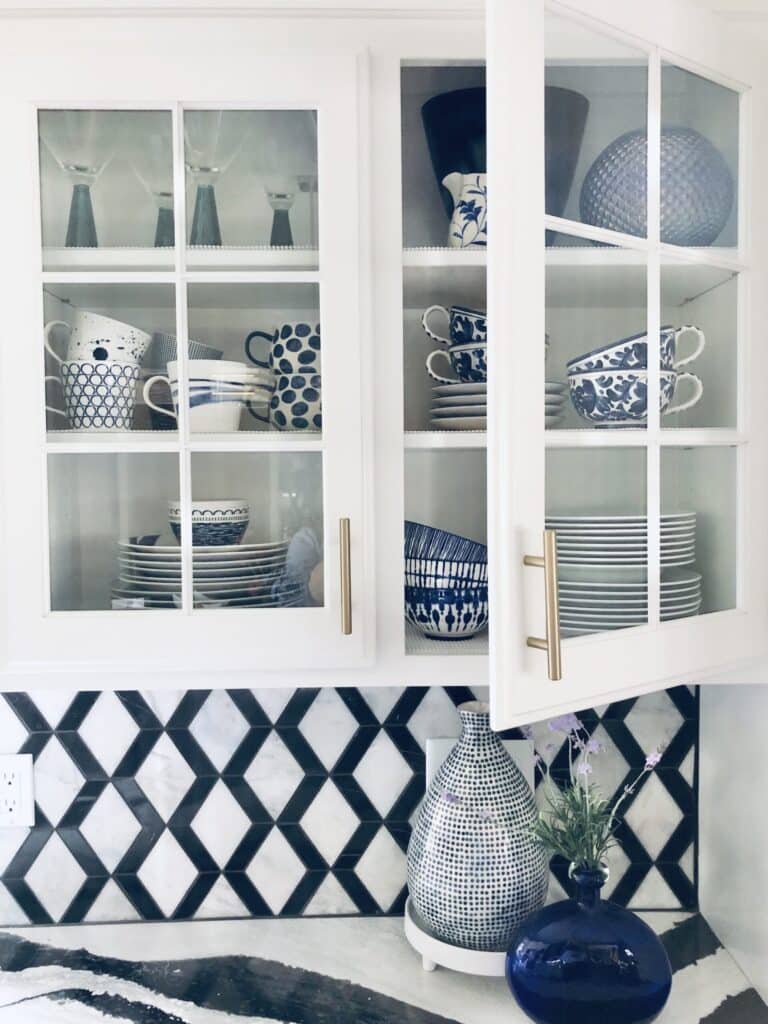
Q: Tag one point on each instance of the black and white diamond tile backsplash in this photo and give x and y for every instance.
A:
(237, 803)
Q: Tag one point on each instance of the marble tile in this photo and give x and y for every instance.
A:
(653, 721)
(55, 877)
(654, 815)
(163, 702)
(381, 699)
(275, 870)
(435, 716)
(220, 824)
(111, 905)
(328, 727)
(110, 827)
(108, 731)
(57, 780)
(382, 869)
(165, 777)
(382, 773)
(273, 701)
(329, 822)
(330, 898)
(653, 892)
(274, 774)
(12, 732)
(10, 911)
(221, 901)
(52, 704)
(167, 873)
(219, 728)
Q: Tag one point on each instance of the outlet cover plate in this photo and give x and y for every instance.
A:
(17, 798)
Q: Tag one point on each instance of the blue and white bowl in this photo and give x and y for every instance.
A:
(445, 572)
(620, 397)
(447, 614)
(214, 523)
(429, 542)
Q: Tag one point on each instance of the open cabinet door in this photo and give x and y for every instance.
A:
(627, 264)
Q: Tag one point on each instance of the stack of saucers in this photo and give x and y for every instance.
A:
(250, 574)
(595, 600)
(459, 406)
(554, 402)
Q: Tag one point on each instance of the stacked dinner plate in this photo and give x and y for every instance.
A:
(584, 539)
(250, 575)
(602, 570)
(594, 600)
(554, 401)
(459, 406)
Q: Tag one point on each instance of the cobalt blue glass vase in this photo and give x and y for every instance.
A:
(586, 960)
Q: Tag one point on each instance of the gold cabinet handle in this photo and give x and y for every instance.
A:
(345, 567)
(550, 643)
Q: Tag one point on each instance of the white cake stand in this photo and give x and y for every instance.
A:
(436, 953)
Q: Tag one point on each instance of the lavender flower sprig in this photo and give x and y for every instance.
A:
(578, 823)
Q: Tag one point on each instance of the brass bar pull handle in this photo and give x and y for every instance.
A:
(550, 643)
(345, 566)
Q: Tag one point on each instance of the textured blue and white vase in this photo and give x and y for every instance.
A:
(474, 872)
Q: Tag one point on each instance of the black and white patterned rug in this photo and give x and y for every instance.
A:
(76, 981)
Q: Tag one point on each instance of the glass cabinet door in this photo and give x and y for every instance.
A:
(634, 265)
(201, 448)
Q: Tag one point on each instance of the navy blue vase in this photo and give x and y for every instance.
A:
(584, 961)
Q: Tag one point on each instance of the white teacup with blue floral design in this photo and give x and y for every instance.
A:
(464, 325)
(620, 397)
(632, 353)
(467, 361)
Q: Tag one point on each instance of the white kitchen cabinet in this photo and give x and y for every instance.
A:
(370, 253)
(616, 264)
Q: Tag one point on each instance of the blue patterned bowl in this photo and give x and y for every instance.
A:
(214, 523)
(447, 614)
(445, 573)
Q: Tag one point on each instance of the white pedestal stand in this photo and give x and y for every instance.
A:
(435, 953)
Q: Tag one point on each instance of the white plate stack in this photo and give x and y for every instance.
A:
(459, 406)
(603, 575)
(554, 401)
(249, 575)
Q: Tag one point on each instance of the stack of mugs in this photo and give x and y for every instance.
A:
(459, 403)
(219, 390)
(609, 385)
(98, 371)
(293, 364)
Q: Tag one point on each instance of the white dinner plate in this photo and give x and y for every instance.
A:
(554, 387)
(607, 578)
(460, 423)
(448, 400)
(204, 586)
(584, 519)
(460, 388)
(595, 612)
(166, 544)
(599, 543)
(207, 565)
(162, 582)
(459, 410)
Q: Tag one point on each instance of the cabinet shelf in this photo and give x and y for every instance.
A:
(197, 258)
(138, 441)
(437, 439)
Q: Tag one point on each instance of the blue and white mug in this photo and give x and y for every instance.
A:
(293, 348)
(97, 395)
(296, 403)
(464, 325)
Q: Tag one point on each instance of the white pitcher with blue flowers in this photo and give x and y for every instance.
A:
(468, 223)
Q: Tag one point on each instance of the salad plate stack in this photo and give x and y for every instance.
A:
(459, 406)
(602, 570)
(248, 574)
(554, 403)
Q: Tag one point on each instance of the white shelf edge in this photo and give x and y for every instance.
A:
(420, 440)
(636, 437)
(444, 257)
(149, 441)
(62, 259)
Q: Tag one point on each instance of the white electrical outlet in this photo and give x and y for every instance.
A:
(17, 799)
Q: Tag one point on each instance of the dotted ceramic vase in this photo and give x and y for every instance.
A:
(474, 873)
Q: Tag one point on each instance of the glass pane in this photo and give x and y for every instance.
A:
(699, 345)
(699, 488)
(596, 124)
(257, 530)
(106, 186)
(446, 580)
(100, 343)
(106, 515)
(255, 359)
(251, 185)
(596, 350)
(596, 500)
(699, 160)
(443, 155)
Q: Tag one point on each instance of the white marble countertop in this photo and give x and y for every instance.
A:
(115, 973)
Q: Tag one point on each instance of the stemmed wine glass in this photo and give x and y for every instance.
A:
(213, 138)
(286, 159)
(82, 143)
(152, 162)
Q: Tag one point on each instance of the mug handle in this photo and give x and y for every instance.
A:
(424, 323)
(258, 334)
(699, 347)
(49, 408)
(698, 388)
(433, 374)
(148, 401)
(47, 337)
(256, 415)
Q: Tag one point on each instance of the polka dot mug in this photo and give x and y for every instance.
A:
(293, 348)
